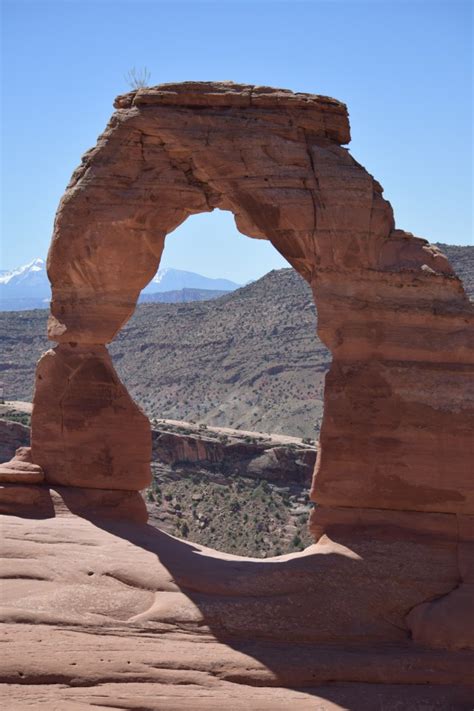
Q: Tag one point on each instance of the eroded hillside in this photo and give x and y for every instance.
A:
(250, 359)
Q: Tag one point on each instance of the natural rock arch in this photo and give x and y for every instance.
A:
(390, 308)
(394, 474)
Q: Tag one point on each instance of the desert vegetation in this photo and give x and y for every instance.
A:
(249, 517)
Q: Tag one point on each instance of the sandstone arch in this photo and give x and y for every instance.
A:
(394, 475)
(390, 308)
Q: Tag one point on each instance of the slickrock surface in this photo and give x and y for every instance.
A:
(114, 615)
(40, 502)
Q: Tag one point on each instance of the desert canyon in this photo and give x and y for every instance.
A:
(100, 609)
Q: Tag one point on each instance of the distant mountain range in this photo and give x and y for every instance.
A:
(177, 279)
(28, 287)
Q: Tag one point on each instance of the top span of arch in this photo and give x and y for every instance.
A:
(274, 159)
(324, 116)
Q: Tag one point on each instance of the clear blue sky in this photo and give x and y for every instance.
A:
(404, 67)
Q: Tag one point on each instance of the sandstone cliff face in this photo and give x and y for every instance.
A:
(240, 492)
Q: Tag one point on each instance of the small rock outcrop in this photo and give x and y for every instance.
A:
(21, 469)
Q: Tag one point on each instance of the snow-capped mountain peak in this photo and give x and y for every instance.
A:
(28, 286)
(160, 275)
(25, 287)
(20, 273)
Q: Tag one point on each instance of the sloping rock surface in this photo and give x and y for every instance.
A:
(112, 615)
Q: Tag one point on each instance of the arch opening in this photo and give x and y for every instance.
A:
(233, 388)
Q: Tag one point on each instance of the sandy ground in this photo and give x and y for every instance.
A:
(18, 405)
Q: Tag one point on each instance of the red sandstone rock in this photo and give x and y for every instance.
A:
(25, 500)
(275, 163)
(21, 469)
(39, 502)
(398, 435)
(392, 569)
(395, 318)
(99, 504)
(448, 622)
(402, 252)
(129, 613)
(255, 459)
(86, 429)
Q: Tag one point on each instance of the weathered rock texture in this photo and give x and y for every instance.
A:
(87, 430)
(394, 472)
(21, 469)
(397, 321)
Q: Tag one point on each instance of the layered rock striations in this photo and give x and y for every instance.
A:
(393, 481)
(115, 615)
